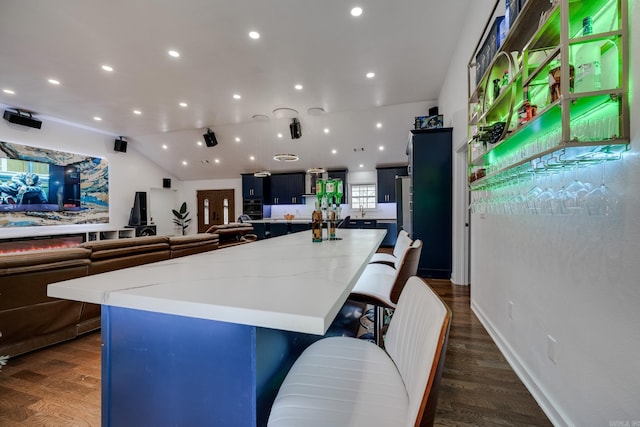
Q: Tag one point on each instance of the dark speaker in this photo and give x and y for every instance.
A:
(166, 182)
(433, 111)
(210, 139)
(144, 230)
(139, 210)
(295, 129)
(22, 119)
(120, 145)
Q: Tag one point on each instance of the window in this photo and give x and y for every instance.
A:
(363, 195)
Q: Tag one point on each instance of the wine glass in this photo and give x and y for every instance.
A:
(574, 194)
(602, 201)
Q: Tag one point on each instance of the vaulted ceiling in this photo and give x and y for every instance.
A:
(242, 88)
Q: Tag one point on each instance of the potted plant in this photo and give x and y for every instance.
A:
(182, 219)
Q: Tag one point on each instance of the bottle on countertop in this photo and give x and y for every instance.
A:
(316, 225)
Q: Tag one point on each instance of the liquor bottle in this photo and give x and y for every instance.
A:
(316, 225)
(329, 192)
(339, 191)
(332, 224)
(587, 62)
(496, 89)
(319, 192)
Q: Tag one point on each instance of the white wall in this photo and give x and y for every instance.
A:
(125, 177)
(576, 279)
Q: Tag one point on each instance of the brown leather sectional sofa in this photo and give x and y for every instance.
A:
(30, 320)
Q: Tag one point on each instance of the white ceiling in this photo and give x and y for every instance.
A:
(316, 43)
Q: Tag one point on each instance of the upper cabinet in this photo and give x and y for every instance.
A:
(387, 183)
(555, 92)
(286, 188)
(254, 187)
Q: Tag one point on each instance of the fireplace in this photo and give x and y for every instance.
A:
(25, 244)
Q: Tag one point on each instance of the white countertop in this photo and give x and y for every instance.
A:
(286, 282)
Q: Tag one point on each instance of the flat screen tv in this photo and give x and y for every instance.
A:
(40, 187)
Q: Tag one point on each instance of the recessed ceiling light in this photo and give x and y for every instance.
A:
(54, 81)
(252, 158)
(216, 160)
(199, 143)
(97, 119)
(137, 112)
(298, 87)
(371, 75)
(361, 165)
(378, 125)
(8, 91)
(107, 68)
(184, 162)
(334, 151)
(236, 96)
(164, 146)
(326, 130)
(183, 104)
(381, 148)
(279, 135)
(238, 139)
(254, 35)
(174, 54)
(356, 11)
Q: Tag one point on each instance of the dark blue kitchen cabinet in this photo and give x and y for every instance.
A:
(387, 183)
(287, 188)
(430, 161)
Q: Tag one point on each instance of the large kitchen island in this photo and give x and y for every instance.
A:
(206, 339)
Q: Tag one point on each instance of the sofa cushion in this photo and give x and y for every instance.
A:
(192, 239)
(35, 261)
(100, 245)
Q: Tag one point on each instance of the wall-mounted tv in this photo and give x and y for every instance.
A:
(38, 187)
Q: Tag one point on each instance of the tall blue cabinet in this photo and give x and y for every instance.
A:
(431, 172)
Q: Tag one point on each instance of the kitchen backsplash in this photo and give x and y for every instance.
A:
(382, 211)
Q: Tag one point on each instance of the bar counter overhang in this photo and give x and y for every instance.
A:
(206, 339)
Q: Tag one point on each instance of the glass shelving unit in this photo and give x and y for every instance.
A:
(564, 124)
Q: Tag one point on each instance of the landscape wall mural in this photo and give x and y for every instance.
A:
(46, 187)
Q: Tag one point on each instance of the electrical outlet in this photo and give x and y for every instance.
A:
(510, 310)
(551, 348)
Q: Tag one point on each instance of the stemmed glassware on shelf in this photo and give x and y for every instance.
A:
(602, 201)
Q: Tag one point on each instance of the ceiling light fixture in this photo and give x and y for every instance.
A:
(262, 174)
(183, 104)
(381, 148)
(317, 171)
(107, 68)
(334, 151)
(326, 130)
(165, 147)
(137, 112)
(315, 111)
(97, 119)
(254, 35)
(237, 96)
(174, 54)
(260, 117)
(298, 87)
(8, 91)
(285, 113)
(371, 75)
(237, 139)
(54, 81)
(356, 11)
(286, 157)
(378, 125)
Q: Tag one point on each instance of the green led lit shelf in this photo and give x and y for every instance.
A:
(584, 127)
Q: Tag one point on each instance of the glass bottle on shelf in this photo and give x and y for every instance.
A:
(587, 60)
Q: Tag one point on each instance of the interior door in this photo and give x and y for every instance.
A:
(215, 207)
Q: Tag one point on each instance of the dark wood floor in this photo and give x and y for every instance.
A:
(60, 386)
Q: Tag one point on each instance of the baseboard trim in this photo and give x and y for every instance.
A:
(551, 411)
